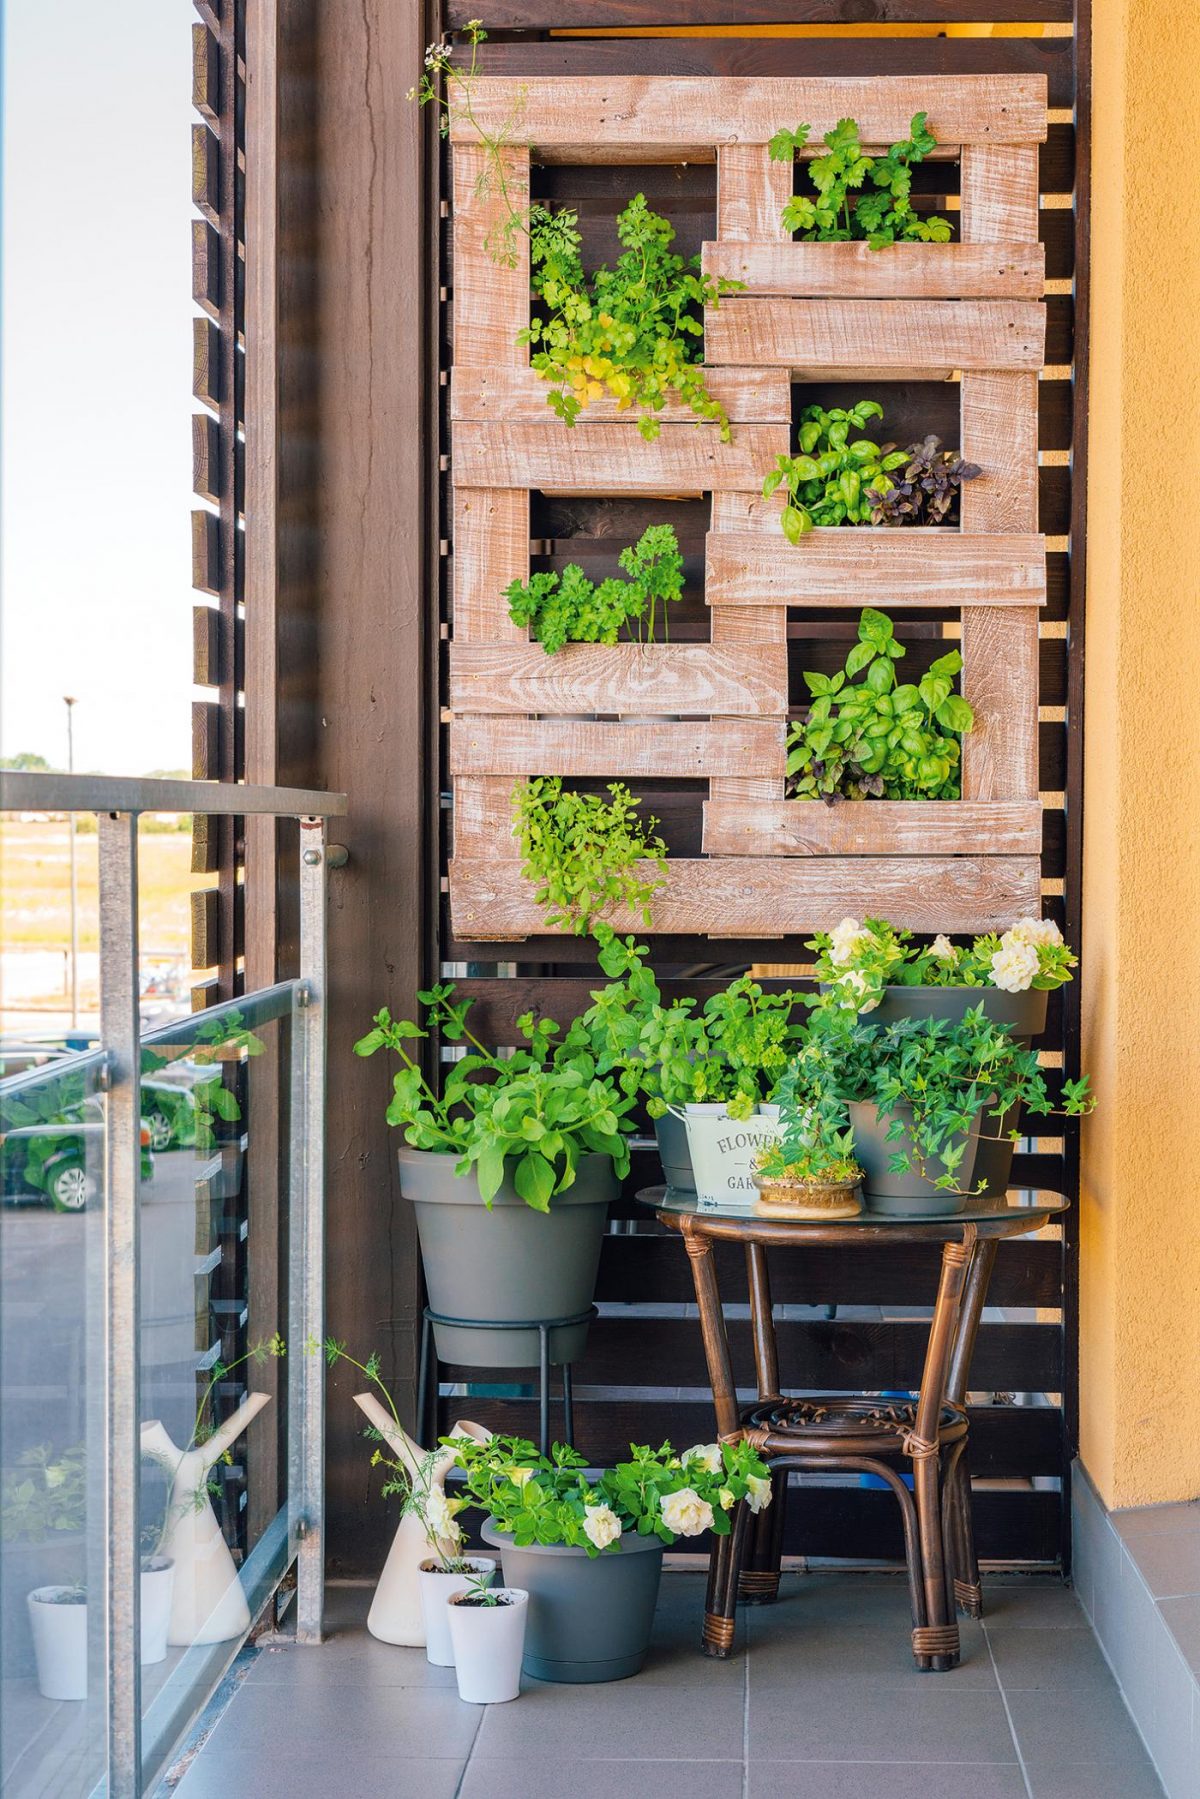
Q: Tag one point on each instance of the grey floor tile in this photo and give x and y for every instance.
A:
(1182, 1617)
(844, 1599)
(268, 1722)
(1051, 1730)
(1147, 1520)
(884, 1780)
(521, 1779)
(1168, 1561)
(1030, 1659)
(572, 1724)
(864, 1722)
(348, 1775)
(1058, 1780)
(784, 1659)
(346, 1661)
(1033, 1605)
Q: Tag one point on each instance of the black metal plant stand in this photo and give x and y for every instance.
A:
(428, 1381)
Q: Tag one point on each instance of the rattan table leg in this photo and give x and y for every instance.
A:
(758, 1581)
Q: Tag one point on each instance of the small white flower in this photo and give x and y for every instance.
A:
(519, 1476)
(758, 1494)
(1014, 967)
(685, 1513)
(601, 1525)
(1032, 931)
(855, 988)
(726, 1498)
(942, 950)
(439, 1518)
(706, 1455)
(844, 940)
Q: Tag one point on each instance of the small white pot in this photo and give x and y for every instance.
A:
(60, 1643)
(158, 1584)
(437, 1589)
(724, 1149)
(489, 1642)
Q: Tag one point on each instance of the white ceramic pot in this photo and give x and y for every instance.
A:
(724, 1149)
(158, 1584)
(60, 1631)
(437, 1590)
(489, 1642)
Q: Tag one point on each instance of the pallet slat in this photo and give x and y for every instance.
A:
(882, 335)
(613, 457)
(1013, 271)
(872, 828)
(517, 679)
(920, 566)
(510, 395)
(522, 746)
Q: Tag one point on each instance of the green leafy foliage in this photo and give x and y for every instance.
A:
(883, 214)
(924, 490)
(816, 1142)
(634, 331)
(572, 609)
(549, 1498)
(867, 735)
(855, 962)
(587, 855)
(44, 1494)
(531, 1113)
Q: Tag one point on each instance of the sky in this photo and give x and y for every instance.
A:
(95, 341)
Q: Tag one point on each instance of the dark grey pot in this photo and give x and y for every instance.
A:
(902, 1195)
(511, 1262)
(673, 1152)
(1025, 1016)
(590, 1617)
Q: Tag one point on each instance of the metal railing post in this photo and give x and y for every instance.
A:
(119, 1030)
(306, 1239)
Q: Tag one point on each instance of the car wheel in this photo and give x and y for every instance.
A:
(160, 1130)
(71, 1187)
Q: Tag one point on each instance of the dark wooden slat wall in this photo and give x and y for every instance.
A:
(659, 1354)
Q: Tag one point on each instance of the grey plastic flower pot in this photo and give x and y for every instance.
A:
(906, 1195)
(1025, 1016)
(590, 1617)
(510, 1262)
(674, 1154)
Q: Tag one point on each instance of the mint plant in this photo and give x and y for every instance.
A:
(883, 214)
(868, 736)
(587, 855)
(633, 332)
(572, 609)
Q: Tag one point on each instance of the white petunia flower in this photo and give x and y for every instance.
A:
(601, 1525)
(1014, 967)
(685, 1513)
(706, 1455)
(844, 940)
(726, 1498)
(439, 1518)
(942, 950)
(856, 986)
(1033, 931)
(759, 1493)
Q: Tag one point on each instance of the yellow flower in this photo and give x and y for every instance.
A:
(726, 1498)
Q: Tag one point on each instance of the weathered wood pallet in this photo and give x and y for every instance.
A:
(832, 311)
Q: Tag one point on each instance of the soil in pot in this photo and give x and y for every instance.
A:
(590, 1617)
(438, 1587)
(907, 1195)
(507, 1263)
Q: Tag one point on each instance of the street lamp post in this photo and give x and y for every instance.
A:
(69, 703)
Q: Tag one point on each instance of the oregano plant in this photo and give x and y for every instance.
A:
(586, 854)
(856, 195)
(573, 609)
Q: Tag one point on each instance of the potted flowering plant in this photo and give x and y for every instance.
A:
(871, 967)
(510, 1170)
(487, 1628)
(589, 1550)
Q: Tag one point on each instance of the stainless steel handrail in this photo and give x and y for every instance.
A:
(21, 791)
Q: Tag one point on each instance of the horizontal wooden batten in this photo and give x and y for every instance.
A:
(883, 335)
(873, 828)
(921, 271)
(614, 457)
(551, 15)
(611, 113)
(700, 678)
(519, 395)
(755, 896)
(913, 566)
(522, 746)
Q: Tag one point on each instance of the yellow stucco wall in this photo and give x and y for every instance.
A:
(1140, 1268)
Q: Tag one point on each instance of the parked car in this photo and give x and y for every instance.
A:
(58, 1160)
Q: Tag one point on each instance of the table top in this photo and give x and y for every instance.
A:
(1021, 1212)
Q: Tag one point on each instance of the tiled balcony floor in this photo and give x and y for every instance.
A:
(820, 1701)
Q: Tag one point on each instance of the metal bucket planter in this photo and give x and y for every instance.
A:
(590, 1617)
(724, 1150)
(907, 1195)
(511, 1262)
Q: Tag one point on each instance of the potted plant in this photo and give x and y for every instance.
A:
(585, 854)
(858, 196)
(873, 968)
(487, 1632)
(589, 1552)
(811, 1170)
(58, 1619)
(510, 1171)
(43, 1505)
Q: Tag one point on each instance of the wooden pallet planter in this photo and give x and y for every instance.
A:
(838, 311)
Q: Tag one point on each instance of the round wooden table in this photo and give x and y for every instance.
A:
(861, 1433)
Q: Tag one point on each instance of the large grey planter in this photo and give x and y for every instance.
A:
(511, 1262)
(1025, 1016)
(674, 1154)
(590, 1617)
(906, 1195)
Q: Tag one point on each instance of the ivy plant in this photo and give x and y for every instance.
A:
(572, 609)
(815, 1142)
(856, 195)
(533, 1112)
(586, 854)
(868, 736)
(922, 490)
(633, 331)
